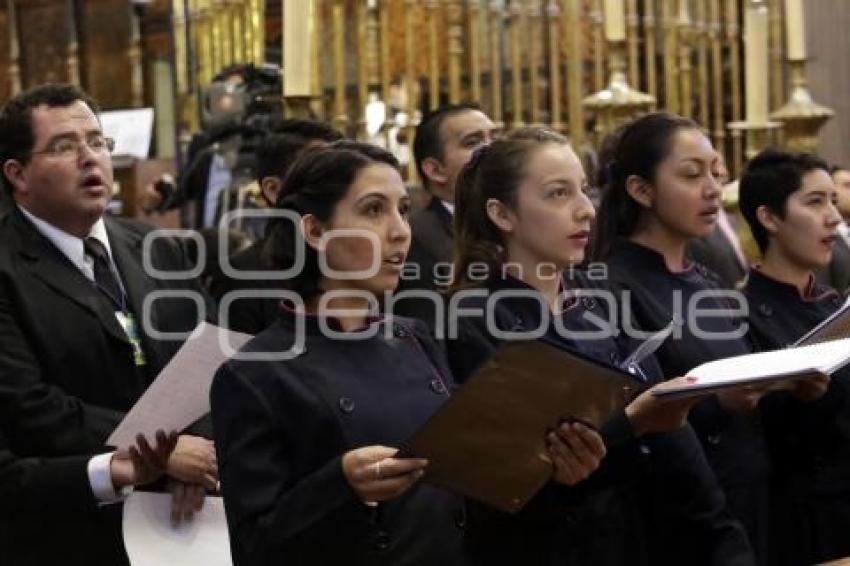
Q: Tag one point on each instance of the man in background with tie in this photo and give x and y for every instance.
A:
(81, 337)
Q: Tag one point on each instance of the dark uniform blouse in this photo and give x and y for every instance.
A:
(282, 428)
(651, 502)
(809, 442)
(651, 297)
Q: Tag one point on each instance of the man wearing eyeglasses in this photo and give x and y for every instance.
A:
(76, 352)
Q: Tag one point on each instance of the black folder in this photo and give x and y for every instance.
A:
(488, 441)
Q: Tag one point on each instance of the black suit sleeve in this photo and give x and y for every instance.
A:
(51, 421)
(31, 485)
(278, 478)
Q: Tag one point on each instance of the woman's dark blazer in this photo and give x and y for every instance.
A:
(282, 428)
(653, 501)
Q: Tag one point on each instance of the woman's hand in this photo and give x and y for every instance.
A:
(743, 399)
(648, 413)
(576, 451)
(375, 475)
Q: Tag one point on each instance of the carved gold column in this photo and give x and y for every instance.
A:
(363, 62)
(317, 105)
(200, 21)
(248, 29)
(685, 38)
(650, 54)
(433, 14)
(226, 30)
(455, 32)
(258, 30)
(410, 83)
(216, 47)
(134, 55)
(671, 70)
(72, 57)
(340, 118)
(703, 82)
(384, 19)
(14, 50)
(598, 45)
(734, 46)
(633, 26)
(516, 62)
(714, 36)
(238, 25)
(495, 30)
(571, 21)
(553, 20)
(298, 35)
(777, 55)
(474, 34)
(534, 33)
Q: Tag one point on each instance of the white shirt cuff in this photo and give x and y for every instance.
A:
(100, 478)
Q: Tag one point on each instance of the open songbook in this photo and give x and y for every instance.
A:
(816, 359)
(488, 441)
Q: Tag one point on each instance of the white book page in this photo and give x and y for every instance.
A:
(151, 539)
(180, 395)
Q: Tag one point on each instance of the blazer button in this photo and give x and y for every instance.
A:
(713, 439)
(588, 303)
(346, 405)
(438, 387)
(645, 450)
(765, 309)
(382, 540)
(400, 332)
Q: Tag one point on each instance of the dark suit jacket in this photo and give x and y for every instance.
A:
(66, 367)
(433, 243)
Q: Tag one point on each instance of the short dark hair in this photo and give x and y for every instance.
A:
(315, 184)
(768, 180)
(17, 138)
(427, 142)
(278, 151)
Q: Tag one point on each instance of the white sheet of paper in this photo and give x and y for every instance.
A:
(825, 357)
(131, 129)
(151, 540)
(180, 395)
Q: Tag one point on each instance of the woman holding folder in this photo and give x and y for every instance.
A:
(664, 191)
(307, 432)
(788, 200)
(522, 213)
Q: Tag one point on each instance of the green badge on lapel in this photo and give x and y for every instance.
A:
(128, 323)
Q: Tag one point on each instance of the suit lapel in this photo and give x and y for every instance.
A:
(443, 215)
(50, 265)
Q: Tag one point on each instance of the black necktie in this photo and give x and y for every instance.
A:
(103, 275)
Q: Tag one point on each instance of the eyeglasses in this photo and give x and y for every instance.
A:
(67, 148)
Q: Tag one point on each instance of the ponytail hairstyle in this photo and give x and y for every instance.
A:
(318, 180)
(637, 148)
(495, 171)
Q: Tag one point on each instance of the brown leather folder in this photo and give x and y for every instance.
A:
(488, 441)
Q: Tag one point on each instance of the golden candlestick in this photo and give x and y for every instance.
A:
(474, 30)
(649, 51)
(455, 17)
(802, 117)
(433, 14)
(619, 102)
(553, 19)
(516, 63)
(496, 63)
(300, 88)
(571, 20)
